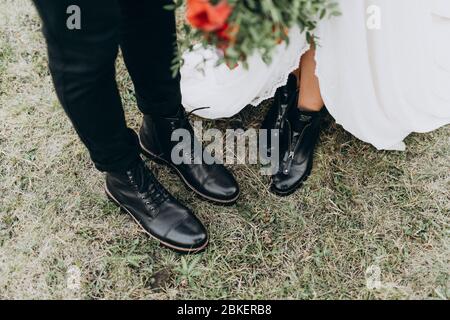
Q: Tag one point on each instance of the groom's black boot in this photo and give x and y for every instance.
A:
(296, 151)
(212, 182)
(137, 192)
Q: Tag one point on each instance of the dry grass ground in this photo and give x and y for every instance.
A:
(361, 209)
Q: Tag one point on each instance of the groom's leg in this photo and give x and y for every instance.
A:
(148, 45)
(82, 65)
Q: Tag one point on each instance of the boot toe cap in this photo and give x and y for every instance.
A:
(281, 183)
(189, 234)
(285, 185)
(225, 189)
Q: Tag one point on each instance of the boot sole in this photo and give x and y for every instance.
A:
(165, 244)
(162, 161)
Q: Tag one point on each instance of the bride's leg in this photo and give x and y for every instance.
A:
(310, 98)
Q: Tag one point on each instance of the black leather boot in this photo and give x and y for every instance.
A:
(285, 99)
(212, 182)
(138, 193)
(297, 151)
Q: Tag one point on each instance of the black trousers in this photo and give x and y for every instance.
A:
(82, 64)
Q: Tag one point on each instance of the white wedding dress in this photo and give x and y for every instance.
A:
(380, 83)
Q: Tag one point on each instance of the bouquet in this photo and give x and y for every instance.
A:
(240, 28)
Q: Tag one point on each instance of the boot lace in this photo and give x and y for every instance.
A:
(183, 122)
(149, 190)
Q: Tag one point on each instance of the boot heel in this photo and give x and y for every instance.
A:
(111, 198)
(153, 157)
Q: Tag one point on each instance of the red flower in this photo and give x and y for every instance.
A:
(205, 16)
(224, 33)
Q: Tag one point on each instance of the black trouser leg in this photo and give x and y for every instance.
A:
(82, 63)
(148, 37)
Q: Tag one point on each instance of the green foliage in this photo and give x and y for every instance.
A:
(260, 26)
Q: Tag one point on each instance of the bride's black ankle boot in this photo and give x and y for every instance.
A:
(137, 192)
(212, 182)
(285, 99)
(296, 151)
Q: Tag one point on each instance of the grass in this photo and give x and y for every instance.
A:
(361, 209)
